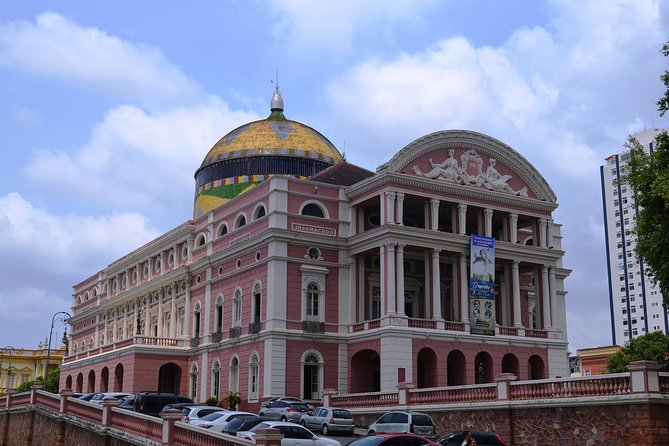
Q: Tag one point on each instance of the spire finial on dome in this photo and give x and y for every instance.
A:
(277, 101)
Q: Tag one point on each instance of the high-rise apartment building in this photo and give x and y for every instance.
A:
(635, 303)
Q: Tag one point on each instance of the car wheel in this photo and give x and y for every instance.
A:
(284, 419)
(261, 414)
(303, 423)
(371, 432)
(325, 429)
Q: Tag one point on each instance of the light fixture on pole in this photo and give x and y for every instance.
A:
(61, 316)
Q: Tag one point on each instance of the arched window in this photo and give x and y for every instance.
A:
(201, 240)
(222, 230)
(218, 328)
(196, 321)
(193, 382)
(312, 301)
(254, 376)
(233, 385)
(237, 309)
(216, 380)
(241, 221)
(313, 210)
(259, 212)
(257, 303)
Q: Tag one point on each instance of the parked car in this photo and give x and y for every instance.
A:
(87, 396)
(389, 439)
(127, 402)
(482, 439)
(192, 413)
(218, 421)
(243, 423)
(150, 403)
(98, 397)
(293, 434)
(405, 422)
(206, 420)
(291, 399)
(284, 410)
(328, 420)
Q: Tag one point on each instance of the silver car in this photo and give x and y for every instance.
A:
(328, 420)
(293, 435)
(284, 411)
(405, 422)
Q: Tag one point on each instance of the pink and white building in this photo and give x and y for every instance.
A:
(300, 272)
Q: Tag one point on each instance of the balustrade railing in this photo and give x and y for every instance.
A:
(454, 394)
(423, 323)
(601, 385)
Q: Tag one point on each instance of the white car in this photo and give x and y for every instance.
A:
(98, 397)
(218, 421)
(192, 413)
(293, 434)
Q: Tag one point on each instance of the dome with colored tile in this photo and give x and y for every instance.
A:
(255, 151)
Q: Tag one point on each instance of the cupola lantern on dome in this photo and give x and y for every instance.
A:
(254, 152)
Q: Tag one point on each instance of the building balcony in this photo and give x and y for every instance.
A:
(313, 327)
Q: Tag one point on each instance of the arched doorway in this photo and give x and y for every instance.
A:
(91, 382)
(118, 378)
(365, 372)
(68, 382)
(80, 383)
(426, 368)
(510, 364)
(456, 364)
(536, 367)
(483, 368)
(311, 376)
(169, 378)
(104, 380)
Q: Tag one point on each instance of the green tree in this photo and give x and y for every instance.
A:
(648, 175)
(652, 347)
(52, 382)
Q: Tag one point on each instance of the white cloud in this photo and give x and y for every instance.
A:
(110, 170)
(334, 26)
(55, 47)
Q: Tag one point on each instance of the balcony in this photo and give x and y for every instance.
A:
(235, 332)
(217, 336)
(313, 327)
(254, 328)
(195, 342)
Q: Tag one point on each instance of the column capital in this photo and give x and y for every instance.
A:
(462, 206)
(400, 247)
(435, 201)
(488, 211)
(390, 245)
(435, 251)
(391, 194)
(400, 195)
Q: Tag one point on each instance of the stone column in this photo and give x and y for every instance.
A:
(173, 312)
(382, 279)
(390, 213)
(353, 289)
(552, 293)
(464, 289)
(462, 219)
(549, 232)
(353, 216)
(390, 285)
(400, 208)
(545, 297)
(487, 212)
(513, 228)
(125, 321)
(159, 332)
(434, 214)
(169, 418)
(400, 278)
(515, 280)
(187, 309)
(542, 233)
(114, 332)
(436, 286)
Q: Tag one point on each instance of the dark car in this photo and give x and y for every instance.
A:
(127, 403)
(151, 403)
(87, 396)
(482, 439)
(243, 423)
(392, 439)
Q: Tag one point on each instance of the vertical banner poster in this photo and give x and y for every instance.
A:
(482, 285)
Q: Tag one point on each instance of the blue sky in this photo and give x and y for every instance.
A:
(107, 109)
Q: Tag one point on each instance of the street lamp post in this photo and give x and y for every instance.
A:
(62, 316)
(12, 351)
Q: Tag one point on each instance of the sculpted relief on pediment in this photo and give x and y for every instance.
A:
(470, 171)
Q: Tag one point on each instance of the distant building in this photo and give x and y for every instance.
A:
(635, 303)
(301, 272)
(593, 360)
(21, 365)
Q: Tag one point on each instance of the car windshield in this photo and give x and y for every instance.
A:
(259, 426)
(421, 420)
(213, 416)
(371, 440)
(339, 413)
